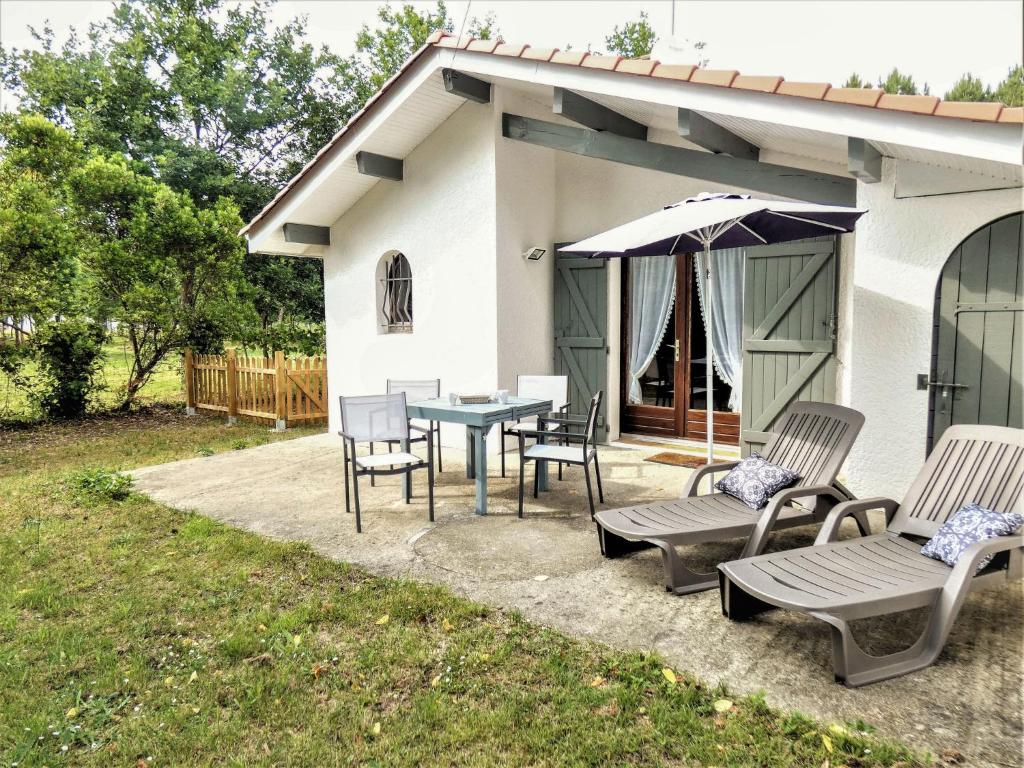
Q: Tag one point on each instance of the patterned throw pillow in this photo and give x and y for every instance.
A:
(755, 480)
(970, 524)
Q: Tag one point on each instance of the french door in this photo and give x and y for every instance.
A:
(672, 390)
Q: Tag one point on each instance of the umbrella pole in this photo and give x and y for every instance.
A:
(708, 324)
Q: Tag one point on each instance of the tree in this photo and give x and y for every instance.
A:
(854, 81)
(40, 271)
(163, 267)
(210, 97)
(1011, 90)
(899, 83)
(634, 39)
(968, 88)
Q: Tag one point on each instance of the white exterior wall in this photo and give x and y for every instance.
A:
(901, 248)
(442, 217)
(524, 293)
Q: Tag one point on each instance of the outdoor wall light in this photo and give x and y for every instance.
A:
(535, 253)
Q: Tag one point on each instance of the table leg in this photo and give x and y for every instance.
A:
(542, 469)
(480, 464)
(470, 454)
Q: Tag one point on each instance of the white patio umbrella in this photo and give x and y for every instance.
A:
(712, 221)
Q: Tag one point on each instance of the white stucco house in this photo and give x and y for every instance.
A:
(423, 207)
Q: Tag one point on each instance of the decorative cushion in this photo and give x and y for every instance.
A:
(755, 480)
(970, 524)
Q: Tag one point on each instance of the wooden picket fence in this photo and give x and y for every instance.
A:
(284, 390)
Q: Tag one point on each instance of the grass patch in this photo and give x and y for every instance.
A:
(131, 633)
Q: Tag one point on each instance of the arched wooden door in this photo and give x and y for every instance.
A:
(976, 375)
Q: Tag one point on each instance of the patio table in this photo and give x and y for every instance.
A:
(478, 420)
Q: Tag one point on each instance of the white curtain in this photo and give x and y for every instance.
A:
(727, 323)
(652, 292)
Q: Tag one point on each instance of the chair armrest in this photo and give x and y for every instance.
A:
(564, 408)
(346, 436)
(549, 435)
(554, 418)
(830, 528)
(759, 536)
(698, 474)
(424, 430)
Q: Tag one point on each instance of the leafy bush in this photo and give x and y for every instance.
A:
(98, 485)
(68, 356)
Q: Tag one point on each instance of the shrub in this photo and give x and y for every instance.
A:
(68, 353)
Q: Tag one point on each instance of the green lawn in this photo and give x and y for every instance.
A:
(132, 634)
(164, 386)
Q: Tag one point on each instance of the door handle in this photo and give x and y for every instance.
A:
(676, 348)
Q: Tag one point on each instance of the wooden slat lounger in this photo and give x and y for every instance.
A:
(842, 581)
(813, 440)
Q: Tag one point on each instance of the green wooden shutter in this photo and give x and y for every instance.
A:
(979, 330)
(581, 329)
(789, 324)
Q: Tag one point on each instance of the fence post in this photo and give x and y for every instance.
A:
(232, 386)
(190, 385)
(280, 391)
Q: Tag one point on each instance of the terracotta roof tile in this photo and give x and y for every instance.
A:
(1012, 115)
(714, 76)
(435, 36)
(569, 57)
(636, 66)
(674, 71)
(601, 62)
(803, 90)
(510, 49)
(969, 110)
(925, 105)
(539, 54)
(483, 46)
(865, 97)
(765, 83)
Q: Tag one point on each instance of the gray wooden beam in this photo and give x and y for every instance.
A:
(696, 128)
(719, 169)
(307, 234)
(586, 112)
(381, 166)
(863, 160)
(466, 86)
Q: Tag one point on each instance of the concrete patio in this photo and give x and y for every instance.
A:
(548, 566)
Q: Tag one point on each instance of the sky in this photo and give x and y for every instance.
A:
(935, 41)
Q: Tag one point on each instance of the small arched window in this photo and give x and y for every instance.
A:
(394, 293)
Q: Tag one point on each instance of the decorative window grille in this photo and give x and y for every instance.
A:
(396, 309)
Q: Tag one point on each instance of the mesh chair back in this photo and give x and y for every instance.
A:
(553, 388)
(595, 406)
(375, 418)
(415, 389)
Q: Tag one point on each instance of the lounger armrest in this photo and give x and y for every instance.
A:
(830, 528)
(967, 564)
(699, 473)
(759, 536)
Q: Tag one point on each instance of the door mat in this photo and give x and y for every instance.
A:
(677, 459)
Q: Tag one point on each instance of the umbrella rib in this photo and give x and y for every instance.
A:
(807, 221)
(765, 242)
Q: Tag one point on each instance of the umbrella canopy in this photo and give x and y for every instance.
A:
(714, 220)
(721, 220)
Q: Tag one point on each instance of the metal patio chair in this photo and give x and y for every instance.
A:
(416, 390)
(382, 419)
(577, 449)
(842, 581)
(553, 388)
(812, 439)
